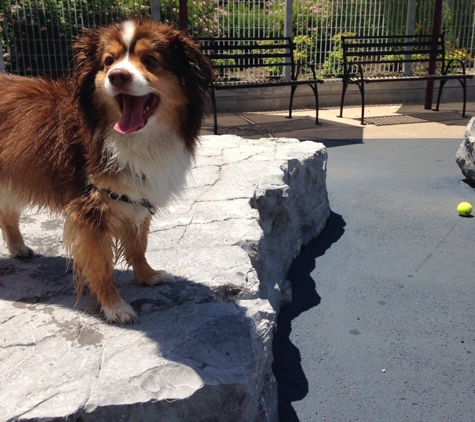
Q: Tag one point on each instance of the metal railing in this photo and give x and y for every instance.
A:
(36, 35)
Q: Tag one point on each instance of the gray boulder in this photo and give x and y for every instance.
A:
(203, 348)
(465, 155)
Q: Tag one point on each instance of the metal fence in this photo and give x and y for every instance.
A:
(36, 35)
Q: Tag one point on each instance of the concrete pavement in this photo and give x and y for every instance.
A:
(392, 121)
(381, 326)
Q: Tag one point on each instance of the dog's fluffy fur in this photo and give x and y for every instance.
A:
(105, 147)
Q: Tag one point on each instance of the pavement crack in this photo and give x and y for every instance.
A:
(205, 201)
(8, 319)
(435, 249)
(96, 379)
(9, 346)
(47, 399)
(164, 229)
(184, 231)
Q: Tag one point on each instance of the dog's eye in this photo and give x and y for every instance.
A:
(109, 61)
(150, 61)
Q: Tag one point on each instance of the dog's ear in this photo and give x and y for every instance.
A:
(198, 66)
(195, 72)
(87, 53)
(85, 50)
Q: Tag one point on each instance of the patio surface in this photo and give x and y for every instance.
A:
(383, 122)
(381, 326)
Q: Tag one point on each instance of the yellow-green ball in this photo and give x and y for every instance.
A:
(464, 209)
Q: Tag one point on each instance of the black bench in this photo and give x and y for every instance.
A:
(398, 58)
(254, 62)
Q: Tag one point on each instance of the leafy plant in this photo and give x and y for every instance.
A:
(334, 63)
(36, 35)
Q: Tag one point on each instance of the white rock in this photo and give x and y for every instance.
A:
(465, 155)
(203, 347)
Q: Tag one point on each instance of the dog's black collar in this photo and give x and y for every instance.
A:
(124, 198)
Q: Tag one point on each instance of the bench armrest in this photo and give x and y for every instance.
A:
(305, 66)
(452, 63)
(352, 69)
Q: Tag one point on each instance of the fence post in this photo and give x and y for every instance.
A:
(410, 24)
(2, 63)
(183, 12)
(155, 10)
(436, 25)
(288, 29)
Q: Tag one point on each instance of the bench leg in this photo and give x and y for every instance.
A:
(293, 88)
(463, 82)
(315, 92)
(343, 92)
(361, 88)
(439, 94)
(464, 87)
(215, 111)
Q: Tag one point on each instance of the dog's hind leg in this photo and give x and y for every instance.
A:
(134, 241)
(10, 226)
(88, 240)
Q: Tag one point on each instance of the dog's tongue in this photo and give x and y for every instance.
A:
(132, 117)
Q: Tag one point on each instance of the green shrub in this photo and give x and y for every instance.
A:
(37, 34)
(334, 63)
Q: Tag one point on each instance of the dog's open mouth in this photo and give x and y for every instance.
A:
(135, 111)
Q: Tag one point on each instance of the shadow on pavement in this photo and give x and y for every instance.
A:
(332, 143)
(407, 114)
(448, 118)
(291, 380)
(265, 125)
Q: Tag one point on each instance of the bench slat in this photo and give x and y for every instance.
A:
(409, 78)
(263, 83)
(389, 44)
(244, 47)
(257, 56)
(240, 40)
(380, 53)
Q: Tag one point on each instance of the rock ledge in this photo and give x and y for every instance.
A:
(203, 348)
(465, 155)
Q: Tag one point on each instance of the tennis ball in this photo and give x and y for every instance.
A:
(464, 209)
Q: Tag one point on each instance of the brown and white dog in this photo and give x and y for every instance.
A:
(106, 148)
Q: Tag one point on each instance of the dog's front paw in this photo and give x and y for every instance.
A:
(154, 278)
(21, 252)
(122, 313)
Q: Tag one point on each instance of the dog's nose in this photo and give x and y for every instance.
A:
(119, 77)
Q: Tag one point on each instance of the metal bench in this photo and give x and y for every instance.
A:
(402, 58)
(254, 62)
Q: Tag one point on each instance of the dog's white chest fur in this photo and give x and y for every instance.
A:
(151, 164)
